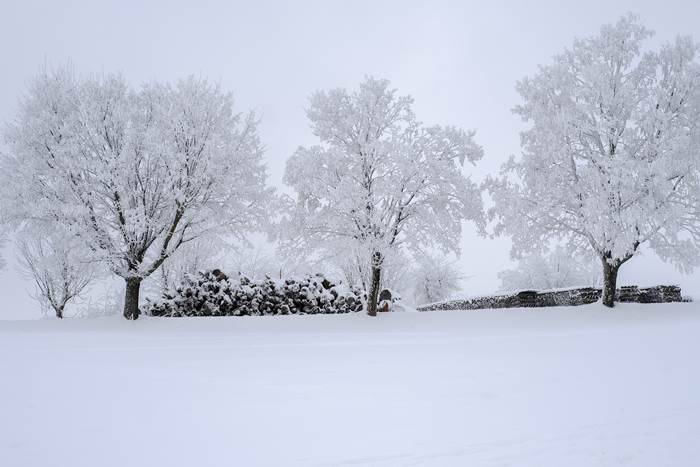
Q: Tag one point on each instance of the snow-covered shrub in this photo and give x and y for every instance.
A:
(212, 293)
(388, 299)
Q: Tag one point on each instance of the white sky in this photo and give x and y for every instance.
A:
(459, 60)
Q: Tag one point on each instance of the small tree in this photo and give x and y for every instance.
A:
(136, 173)
(612, 155)
(58, 265)
(380, 180)
(553, 270)
(436, 278)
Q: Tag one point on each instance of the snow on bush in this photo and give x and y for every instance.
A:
(212, 293)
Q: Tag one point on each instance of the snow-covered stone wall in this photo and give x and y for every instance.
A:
(560, 297)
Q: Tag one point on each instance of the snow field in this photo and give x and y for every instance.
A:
(577, 386)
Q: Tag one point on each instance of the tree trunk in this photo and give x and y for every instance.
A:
(131, 298)
(374, 287)
(59, 313)
(609, 282)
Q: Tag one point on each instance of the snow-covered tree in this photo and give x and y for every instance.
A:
(435, 278)
(553, 270)
(379, 180)
(135, 173)
(611, 158)
(58, 264)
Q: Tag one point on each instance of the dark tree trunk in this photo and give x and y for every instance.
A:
(59, 313)
(374, 287)
(131, 298)
(609, 282)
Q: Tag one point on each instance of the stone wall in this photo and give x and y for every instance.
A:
(560, 297)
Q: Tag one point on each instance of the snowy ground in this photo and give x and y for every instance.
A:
(549, 387)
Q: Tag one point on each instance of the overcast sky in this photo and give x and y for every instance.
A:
(459, 60)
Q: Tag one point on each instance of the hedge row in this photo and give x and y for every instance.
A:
(212, 293)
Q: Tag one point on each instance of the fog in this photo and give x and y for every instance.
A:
(459, 60)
